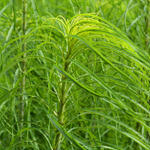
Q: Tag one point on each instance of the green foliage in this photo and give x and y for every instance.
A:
(76, 76)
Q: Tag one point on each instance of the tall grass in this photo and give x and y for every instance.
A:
(74, 75)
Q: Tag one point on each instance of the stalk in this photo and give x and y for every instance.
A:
(60, 115)
(63, 98)
(23, 63)
(61, 110)
(147, 26)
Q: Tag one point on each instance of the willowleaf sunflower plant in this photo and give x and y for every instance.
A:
(83, 85)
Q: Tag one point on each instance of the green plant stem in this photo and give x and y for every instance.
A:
(23, 63)
(62, 103)
(60, 115)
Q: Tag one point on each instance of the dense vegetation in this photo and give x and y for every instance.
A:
(74, 75)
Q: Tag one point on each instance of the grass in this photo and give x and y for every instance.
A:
(74, 74)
